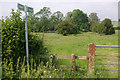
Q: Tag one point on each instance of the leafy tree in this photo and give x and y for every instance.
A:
(69, 16)
(94, 26)
(32, 21)
(66, 27)
(93, 17)
(44, 12)
(44, 19)
(56, 18)
(58, 15)
(106, 27)
(79, 18)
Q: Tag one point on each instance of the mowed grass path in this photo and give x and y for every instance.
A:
(78, 44)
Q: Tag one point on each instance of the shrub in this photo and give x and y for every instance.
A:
(13, 38)
(94, 26)
(66, 27)
(106, 27)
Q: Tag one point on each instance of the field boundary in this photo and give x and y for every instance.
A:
(72, 57)
(91, 54)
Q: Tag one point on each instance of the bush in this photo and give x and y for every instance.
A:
(66, 27)
(13, 39)
(106, 27)
(94, 26)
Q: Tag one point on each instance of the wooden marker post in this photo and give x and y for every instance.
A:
(73, 62)
(91, 55)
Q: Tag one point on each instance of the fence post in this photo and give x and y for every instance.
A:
(91, 55)
(52, 57)
(73, 62)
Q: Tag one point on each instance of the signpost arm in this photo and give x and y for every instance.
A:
(26, 36)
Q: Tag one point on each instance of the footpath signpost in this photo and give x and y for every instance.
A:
(26, 9)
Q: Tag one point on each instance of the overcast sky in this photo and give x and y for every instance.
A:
(103, 8)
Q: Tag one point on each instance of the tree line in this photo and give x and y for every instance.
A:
(74, 22)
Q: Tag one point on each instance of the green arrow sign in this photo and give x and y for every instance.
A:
(29, 9)
(21, 7)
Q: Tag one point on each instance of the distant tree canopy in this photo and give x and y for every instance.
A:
(93, 17)
(106, 27)
(55, 19)
(94, 26)
(79, 18)
(44, 12)
(45, 21)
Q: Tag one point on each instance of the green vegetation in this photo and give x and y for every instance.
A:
(115, 23)
(78, 44)
(93, 17)
(65, 46)
(66, 27)
(106, 27)
(76, 23)
(79, 18)
(13, 39)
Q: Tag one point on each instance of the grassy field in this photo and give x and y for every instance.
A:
(115, 23)
(78, 44)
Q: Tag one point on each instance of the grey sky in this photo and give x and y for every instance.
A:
(104, 8)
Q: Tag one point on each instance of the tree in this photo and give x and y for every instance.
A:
(66, 27)
(32, 21)
(46, 12)
(93, 17)
(79, 18)
(94, 26)
(55, 19)
(44, 21)
(69, 16)
(106, 27)
(59, 15)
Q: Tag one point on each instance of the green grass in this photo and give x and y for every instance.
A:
(115, 23)
(78, 44)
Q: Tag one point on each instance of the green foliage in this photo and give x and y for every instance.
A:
(32, 23)
(79, 18)
(40, 71)
(45, 11)
(55, 19)
(106, 27)
(13, 38)
(42, 20)
(94, 26)
(93, 17)
(66, 27)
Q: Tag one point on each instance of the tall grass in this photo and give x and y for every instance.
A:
(41, 71)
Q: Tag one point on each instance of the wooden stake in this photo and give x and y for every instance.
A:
(73, 62)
